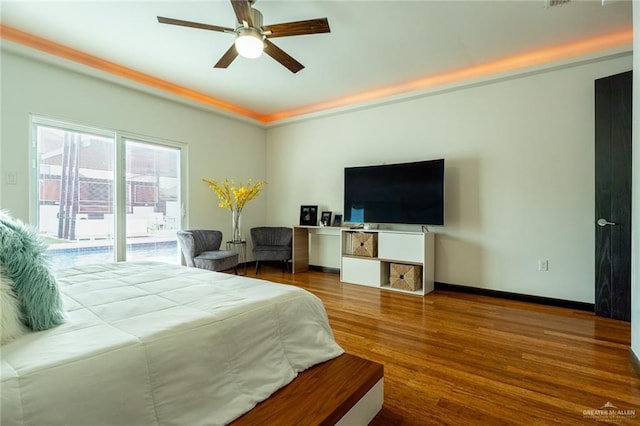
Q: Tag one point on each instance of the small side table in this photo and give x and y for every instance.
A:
(239, 247)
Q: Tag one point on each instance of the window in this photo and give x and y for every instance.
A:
(83, 213)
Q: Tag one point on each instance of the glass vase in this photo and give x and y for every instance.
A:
(236, 230)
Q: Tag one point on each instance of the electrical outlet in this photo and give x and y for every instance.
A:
(543, 265)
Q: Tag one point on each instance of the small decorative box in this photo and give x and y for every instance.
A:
(405, 277)
(364, 244)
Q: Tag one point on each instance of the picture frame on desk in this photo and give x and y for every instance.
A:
(337, 220)
(325, 219)
(308, 215)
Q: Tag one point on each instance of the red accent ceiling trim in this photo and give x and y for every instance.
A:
(538, 57)
(59, 50)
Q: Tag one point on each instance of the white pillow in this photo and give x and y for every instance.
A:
(11, 325)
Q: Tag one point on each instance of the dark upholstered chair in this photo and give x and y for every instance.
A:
(271, 243)
(201, 249)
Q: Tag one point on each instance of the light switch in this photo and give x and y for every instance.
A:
(11, 178)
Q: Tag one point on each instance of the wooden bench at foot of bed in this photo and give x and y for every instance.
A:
(346, 390)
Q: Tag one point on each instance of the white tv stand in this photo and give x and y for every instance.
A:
(403, 247)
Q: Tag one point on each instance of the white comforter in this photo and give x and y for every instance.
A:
(157, 344)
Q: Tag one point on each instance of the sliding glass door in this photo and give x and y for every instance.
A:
(152, 194)
(75, 203)
(93, 209)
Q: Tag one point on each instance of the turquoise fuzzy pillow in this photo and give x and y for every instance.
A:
(22, 260)
(11, 324)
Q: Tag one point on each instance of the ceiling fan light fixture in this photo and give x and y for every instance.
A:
(249, 43)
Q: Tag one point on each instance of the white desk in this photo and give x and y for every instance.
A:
(300, 246)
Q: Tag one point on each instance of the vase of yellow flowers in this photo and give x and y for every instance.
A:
(236, 230)
(234, 197)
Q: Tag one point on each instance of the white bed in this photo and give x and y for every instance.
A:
(158, 344)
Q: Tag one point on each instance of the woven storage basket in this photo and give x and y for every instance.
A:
(364, 244)
(405, 277)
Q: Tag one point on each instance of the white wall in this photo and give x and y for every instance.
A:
(218, 147)
(519, 159)
(635, 199)
(519, 156)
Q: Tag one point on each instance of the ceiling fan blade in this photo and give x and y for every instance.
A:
(172, 21)
(242, 8)
(311, 26)
(227, 58)
(281, 56)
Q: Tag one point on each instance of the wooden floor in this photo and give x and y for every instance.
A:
(458, 359)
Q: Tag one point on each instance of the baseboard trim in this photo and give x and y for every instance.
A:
(581, 306)
(635, 362)
(324, 269)
(570, 304)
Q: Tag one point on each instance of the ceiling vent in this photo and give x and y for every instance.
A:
(551, 3)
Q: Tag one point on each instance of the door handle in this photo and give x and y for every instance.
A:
(605, 222)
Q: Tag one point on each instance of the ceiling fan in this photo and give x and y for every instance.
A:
(252, 38)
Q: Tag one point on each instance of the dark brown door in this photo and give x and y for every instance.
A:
(613, 196)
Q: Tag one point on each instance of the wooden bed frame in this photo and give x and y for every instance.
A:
(346, 390)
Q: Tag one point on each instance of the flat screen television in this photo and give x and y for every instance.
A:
(405, 193)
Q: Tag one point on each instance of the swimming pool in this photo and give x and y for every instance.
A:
(76, 255)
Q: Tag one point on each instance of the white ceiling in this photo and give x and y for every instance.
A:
(372, 44)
